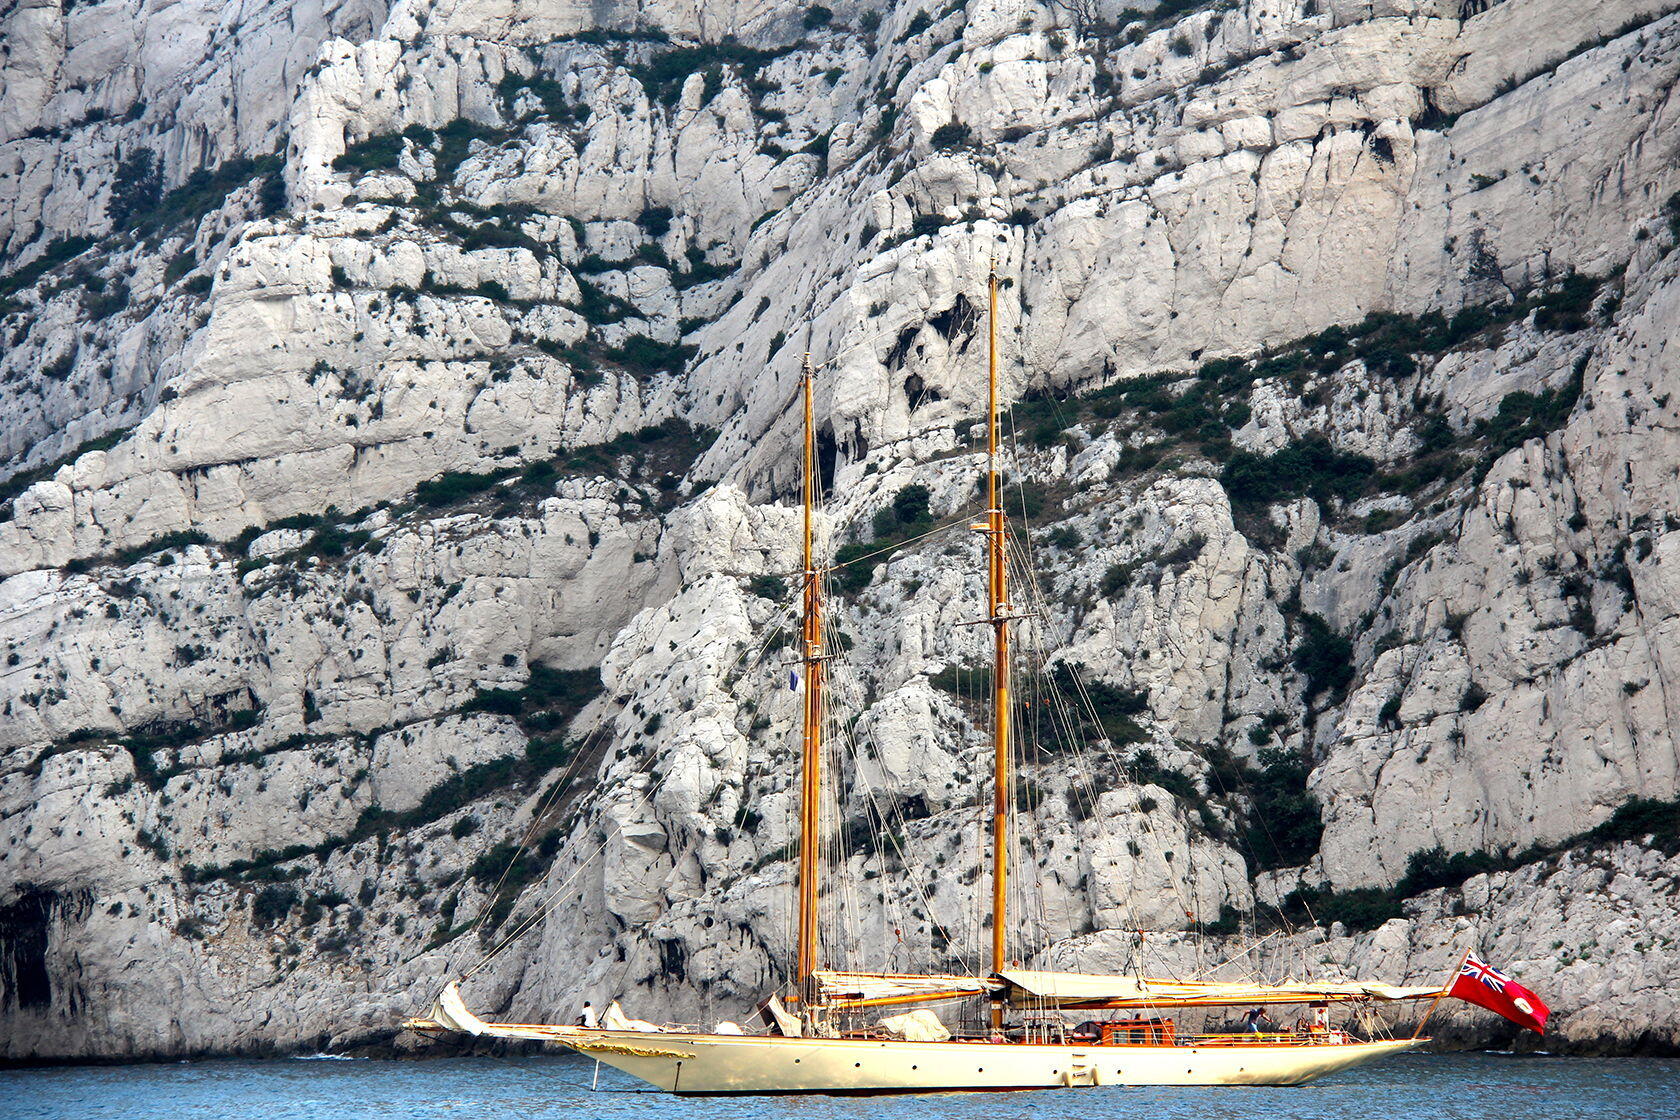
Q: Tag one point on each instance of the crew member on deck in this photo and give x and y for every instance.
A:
(587, 1017)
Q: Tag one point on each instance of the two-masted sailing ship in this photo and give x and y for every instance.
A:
(1028, 1029)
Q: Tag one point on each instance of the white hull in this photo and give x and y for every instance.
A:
(704, 1063)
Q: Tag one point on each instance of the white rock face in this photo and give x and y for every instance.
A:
(378, 379)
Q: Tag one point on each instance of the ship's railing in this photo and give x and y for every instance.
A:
(1247, 1038)
(1120, 1039)
(1157, 1034)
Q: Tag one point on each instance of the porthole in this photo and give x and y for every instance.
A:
(857, 1065)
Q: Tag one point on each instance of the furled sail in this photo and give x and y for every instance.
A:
(874, 989)
(449, 1013)
(1078, 989)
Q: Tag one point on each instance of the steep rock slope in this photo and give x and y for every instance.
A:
(399, 433)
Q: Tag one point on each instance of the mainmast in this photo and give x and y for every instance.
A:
(997, 604)
(811, 656)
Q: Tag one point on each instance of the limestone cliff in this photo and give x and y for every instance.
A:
(399, 410)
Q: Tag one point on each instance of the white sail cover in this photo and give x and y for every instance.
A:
(616, 1020)
(915, 1026)
(847, 987)
(788, 1023)
(1080, 987)
(450, 1012)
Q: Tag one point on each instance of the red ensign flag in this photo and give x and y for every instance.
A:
(1485, 986)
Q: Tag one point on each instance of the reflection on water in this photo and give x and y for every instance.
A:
(1444, 1087)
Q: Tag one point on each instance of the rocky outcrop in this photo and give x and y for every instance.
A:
(401, 423)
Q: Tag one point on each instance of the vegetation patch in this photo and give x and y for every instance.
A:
(906, 516)
(272, 904)
(948, 136)
(662, 453)
(168, 542)
(1636, 821)
(1362, 908)
(700, 271)
(206, 189)
(1283, 827)
(549, 700)
(1199, 413)
(966, 682)
(599, 307)
(1096, 710)
(1146, 769)
(136, 189)
(644, 357)
(1308, 467)
(666, 451)
(456, 486)
(57, 252)
(497, 229)
(507, 869)
(137, 201)
(549, 94)
(1324, 657)
(454, 792)
(450, 146)
(376, 153)
(1523, 416)
(664, 73)
(768, 587)
(487, 289)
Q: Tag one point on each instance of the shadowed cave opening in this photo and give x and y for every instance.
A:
(23, 949)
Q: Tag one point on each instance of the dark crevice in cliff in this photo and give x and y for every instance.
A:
(24, 926)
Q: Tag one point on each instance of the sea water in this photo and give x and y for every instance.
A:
(1411, 1087)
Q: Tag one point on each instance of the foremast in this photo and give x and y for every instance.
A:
(811, 754)
(997, 612)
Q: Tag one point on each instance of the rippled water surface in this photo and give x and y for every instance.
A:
(1455, 1087)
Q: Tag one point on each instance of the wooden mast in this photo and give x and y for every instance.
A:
(811, 656)
(997, 602)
